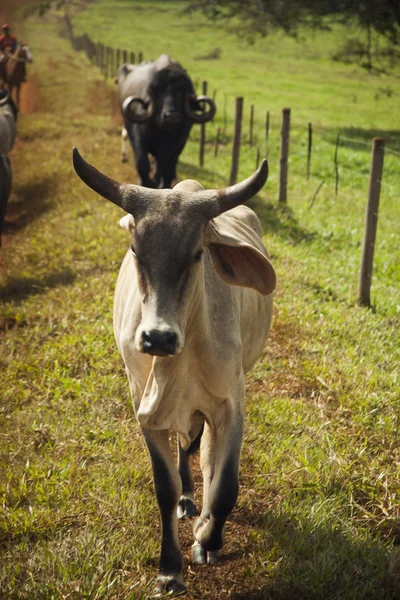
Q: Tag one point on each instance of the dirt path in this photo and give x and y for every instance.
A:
(29, 96)
(29, 102)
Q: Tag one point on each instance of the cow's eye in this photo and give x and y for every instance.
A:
(198, 256)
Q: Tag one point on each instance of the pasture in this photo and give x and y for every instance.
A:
(318, 514)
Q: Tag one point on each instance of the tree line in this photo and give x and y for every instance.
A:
(252, 18)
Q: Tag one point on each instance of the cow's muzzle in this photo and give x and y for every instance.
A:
(171, 118)
(159, 343)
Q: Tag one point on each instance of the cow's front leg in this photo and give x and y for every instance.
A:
(143, 169)
(168, 487)
(223, 478)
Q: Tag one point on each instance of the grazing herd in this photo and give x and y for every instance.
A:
(192, 307)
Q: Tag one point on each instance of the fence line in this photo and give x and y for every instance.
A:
(108, 60)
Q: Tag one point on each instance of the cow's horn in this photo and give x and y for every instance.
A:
(136, 117)
(243, 191)
(126, 196)
(205, 115)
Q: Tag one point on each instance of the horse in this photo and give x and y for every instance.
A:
(13, 70)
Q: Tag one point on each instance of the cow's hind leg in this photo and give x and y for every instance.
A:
(124, 145)
(221, 485)
(187, 506)
(168, 487)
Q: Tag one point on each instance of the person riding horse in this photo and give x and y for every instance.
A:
(8, 41)
(8, 45)
(13, 62)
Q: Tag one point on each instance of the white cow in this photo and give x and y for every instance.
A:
(193, 308)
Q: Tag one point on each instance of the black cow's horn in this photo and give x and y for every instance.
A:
(203, 116)
(132, 115)
(126, 196)
(4, 100)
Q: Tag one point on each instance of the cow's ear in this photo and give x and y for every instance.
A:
(127, 222)
(241, 259)
(244, 266)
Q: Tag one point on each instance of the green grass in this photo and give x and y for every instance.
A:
(318, 515)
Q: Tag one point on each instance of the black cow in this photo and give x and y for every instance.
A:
(159, 106)
(5, 188)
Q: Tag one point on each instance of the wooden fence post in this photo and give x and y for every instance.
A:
(110, 61)
(98, 54)
(251, 125)
(225, 111)
(336, 165)
(283, 166)
(267, 133)
(202, 130)
(101, 55)
(217, 137)
(113, 68)
(236, 140)
(371, 221)
(105, 61)
(258, 158)
(124, 56)
(140, 58)
(132, 58)
(309, 150)
(118, 53)
(101, 48)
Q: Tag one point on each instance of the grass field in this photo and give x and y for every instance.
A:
(318, 514)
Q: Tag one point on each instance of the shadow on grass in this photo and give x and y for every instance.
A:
(19, 289)
(358, 138)
(315, 562)
(28, 201)
(276, 218)
(280, 219)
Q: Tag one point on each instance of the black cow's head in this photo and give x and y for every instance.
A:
(170, 90)
(172, 101)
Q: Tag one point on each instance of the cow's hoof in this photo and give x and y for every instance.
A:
(169, 584)
(186, 508)
(212, 557)
(201, 556)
